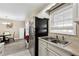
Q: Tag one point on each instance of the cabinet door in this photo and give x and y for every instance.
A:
(51, 53)
(59, 51)
(42, 48)
(42, 51)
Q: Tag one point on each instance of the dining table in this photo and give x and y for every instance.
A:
(4, 37)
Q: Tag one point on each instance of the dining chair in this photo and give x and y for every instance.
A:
(1, 49)
(6, 37)
(6, 32)
(1, 39)
(11, 37)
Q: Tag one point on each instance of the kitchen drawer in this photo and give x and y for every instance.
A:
(42, 42)
(58, 50)
(42, 45)
(51, 52)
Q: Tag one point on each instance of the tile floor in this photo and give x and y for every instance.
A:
(21, 53)
(16, 49)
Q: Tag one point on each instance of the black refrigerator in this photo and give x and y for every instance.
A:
(39, 29)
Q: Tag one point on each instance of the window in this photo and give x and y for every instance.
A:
(62, 20)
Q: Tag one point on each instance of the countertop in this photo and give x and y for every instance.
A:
(72, 47)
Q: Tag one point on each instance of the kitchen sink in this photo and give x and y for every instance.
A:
(60, 42)
(56, 41)
(64, 42)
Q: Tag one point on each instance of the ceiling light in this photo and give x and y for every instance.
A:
(5, 23)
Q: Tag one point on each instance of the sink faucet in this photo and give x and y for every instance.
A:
(63, 38)
(57, 38)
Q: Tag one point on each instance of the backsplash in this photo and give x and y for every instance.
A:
(67, 37)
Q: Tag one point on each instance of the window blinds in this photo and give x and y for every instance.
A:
(62, 20)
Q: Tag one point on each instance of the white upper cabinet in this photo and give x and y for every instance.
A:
(76, 10)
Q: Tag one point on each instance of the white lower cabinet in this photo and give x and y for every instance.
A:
(59, 51)
(42, 49)
(47, 49)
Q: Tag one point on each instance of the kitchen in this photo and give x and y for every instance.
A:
(51, 29)
(63, 34)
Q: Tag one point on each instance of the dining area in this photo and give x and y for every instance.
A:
(6, 37)
(11, 41)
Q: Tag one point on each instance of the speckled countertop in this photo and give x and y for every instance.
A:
(73, 48)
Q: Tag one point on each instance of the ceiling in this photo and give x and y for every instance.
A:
(18, 11)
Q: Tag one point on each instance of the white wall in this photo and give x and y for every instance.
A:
(43, 14)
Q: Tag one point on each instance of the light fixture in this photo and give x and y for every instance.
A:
(5, 23)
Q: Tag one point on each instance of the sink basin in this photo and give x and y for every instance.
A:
(65, 42)
(56, 41)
